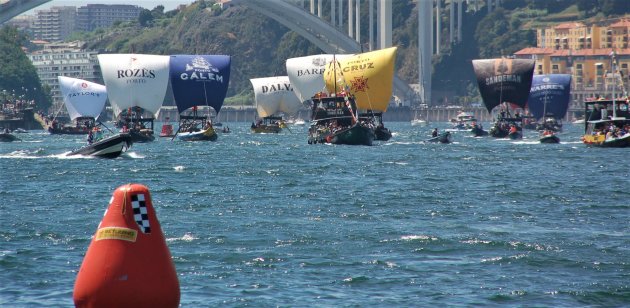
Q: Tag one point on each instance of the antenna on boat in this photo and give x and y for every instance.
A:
(614, 79)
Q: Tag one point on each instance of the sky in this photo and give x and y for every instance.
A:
(148, 4)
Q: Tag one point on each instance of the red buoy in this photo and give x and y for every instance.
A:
(128, 263)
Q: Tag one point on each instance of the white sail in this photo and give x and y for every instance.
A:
(135, 80)
(82, 98)
(274, 94)
(306, 74)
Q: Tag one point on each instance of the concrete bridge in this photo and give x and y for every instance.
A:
(14, 8)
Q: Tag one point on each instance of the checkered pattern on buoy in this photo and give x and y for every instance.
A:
(140, 212)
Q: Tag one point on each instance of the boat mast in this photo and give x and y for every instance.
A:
(612, 68)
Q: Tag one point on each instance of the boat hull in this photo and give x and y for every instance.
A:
(382, 134)
(110, 147)
(354, 135)
(266, 129)
(208, 134)
(7, 137)
(445, 137)
(550, 139)
(141, 136)
(478, 131)
(601, 141)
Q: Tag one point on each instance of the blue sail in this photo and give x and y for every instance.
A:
(550, 96)
(199, 80)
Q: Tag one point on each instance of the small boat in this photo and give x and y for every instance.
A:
(199, 81)
(167, 129)
(273, 96)
(136, 87)
(418, 119)
(549, 100)
(505, 82)
(444, 137)
(608, 123)
(20, 131)
(110, 147)
(463, 121)
(7, 136)
(478, 131)
(549, 136)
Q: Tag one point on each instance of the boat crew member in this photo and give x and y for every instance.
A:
(435, 132)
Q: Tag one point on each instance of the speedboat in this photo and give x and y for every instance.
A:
(110, 147)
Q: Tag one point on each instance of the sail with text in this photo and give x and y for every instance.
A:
(135, 80)
(504, 80)
(81, 97)
(274, 95)
(368, 76)
(550, 96)
(199, 80)
(306, 74)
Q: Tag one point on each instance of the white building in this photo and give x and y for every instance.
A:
(65, 59)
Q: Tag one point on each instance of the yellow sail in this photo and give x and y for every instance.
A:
(368, 76)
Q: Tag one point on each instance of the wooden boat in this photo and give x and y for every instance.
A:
(84, 100)
(549, 100)
(110, 147)
(505, 82)
(274, 96)
(136, 87)
(354, 99)
(199, 81)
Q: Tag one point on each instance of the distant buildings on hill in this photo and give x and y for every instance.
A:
(585, 52)
(57, 23)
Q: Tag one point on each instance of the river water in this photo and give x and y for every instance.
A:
(269, 220)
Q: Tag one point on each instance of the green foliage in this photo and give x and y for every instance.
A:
(18, 76)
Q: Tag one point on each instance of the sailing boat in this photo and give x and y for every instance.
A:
(199, 80)
(136, 86)
(549, 100)
(273, 95)
(369, 78)
(502, 81)
(608, 120)
(86, 100)
(418, 119)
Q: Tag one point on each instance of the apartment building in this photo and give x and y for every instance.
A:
(65, 59)
(54, 24)
(94, 16)
(586, 52)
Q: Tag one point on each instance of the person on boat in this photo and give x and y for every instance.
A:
(513, 129)
(90, 138)
(253, 125)
(208, 125)
(547, 132)
(434, 133)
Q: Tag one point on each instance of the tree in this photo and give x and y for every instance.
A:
(17, 74)
(145, 18)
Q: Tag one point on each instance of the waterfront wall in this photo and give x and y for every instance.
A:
(396, 114)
